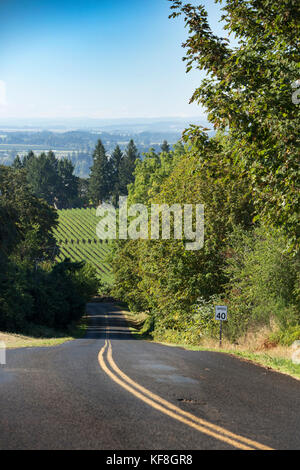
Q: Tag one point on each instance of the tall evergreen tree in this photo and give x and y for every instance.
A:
(99, 183)
(17, 163)
(68, 183)
(27, 158)
(127, 167)
(50, 178)
(42, 176)
(165, 147)
(115, 165)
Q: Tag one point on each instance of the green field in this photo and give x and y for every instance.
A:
(77, 239)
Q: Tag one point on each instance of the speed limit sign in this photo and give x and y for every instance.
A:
(221, 315)
(221, 312)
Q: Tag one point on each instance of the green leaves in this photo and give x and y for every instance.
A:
(110, 177)
(99, 181)
(248, 94)
(248, 173)
(25, 214)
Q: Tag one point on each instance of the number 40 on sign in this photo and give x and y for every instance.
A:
(221, 312)
(221, 315)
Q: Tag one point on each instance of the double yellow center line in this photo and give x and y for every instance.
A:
(109, 366)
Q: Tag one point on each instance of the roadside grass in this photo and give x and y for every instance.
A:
(277, 358)
(135, 322)
(278, 364)
(41, 336)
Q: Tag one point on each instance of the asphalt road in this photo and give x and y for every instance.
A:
(109, 391)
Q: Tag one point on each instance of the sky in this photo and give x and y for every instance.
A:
(96, 59)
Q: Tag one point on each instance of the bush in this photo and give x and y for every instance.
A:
(286, 337)
(262, 283)
(52, 296)
(16, 301)
(193, 327)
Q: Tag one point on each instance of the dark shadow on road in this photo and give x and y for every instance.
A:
(106, 321)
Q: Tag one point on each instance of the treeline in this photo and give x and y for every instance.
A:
(110, 176)
(34, 290)
(53, 179)
(247, 177)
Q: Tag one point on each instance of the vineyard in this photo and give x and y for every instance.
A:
(76, 237)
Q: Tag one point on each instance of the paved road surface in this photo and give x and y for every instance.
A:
(111, 392)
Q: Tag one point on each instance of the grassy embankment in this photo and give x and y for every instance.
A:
(40, 336)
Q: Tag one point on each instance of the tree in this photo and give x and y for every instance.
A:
(245, 174)
(99, 183)
(115, 165)
(50, 294)
(43, 177)
(165, 278)
(17, 163)
(127, 167)
(27, 158)
(68, 183)
(51, 179)
(83, 191)
(8, 231)
(248, 90)
(28, 219)
(165, 147)
(151, 172)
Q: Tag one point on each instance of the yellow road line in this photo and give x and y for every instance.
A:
(171, 410)
(169, 405)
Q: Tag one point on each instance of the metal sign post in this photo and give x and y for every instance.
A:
(221, 315)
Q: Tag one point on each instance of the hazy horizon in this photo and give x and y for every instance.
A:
(166, 124)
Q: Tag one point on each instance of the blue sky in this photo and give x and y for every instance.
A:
(94, 58)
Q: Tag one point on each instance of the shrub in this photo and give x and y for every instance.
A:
(286, 337)
(52, 295)
(262, 283)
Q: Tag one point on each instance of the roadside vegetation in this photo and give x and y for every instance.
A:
(35, 291)
(253, 346)
(51, 262)
(247, 177)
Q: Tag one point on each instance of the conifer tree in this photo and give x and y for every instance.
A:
(17, 163)
(99, 182)
(127, 167)
(42, 176)
(27, 158)
(68, 183)
(115, 164)
(165, 147)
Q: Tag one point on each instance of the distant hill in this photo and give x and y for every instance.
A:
(77, 145)
(133, 125)
(76, 138)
